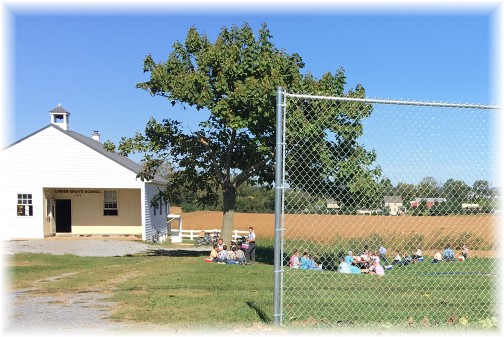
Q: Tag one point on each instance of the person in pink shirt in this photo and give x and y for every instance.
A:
(294, 260)
(376, 269)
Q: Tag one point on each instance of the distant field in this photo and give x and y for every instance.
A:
(481, 229)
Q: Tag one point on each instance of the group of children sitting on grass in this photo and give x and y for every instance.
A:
(449, 256)
(372, 262)
(221, 254)
(367, 262)
(304, 262)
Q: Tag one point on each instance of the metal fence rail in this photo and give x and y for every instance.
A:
(359, 176)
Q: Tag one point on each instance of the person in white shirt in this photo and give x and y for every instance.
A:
(250, 253)
(397, 258)
(418, 255)
(437, 257)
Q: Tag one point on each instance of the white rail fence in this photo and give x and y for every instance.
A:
(192, 234)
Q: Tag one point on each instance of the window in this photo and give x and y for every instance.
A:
(24, 205)
(161, 209)
(110, 203)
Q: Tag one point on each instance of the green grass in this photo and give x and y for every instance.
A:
(181, 289)
(420, 291)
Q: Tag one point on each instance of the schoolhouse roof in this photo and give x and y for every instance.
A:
(392, 199)
(59, 110)
(98, 147)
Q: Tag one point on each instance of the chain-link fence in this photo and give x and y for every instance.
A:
(374, 193)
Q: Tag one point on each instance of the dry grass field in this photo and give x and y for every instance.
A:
(477, 230)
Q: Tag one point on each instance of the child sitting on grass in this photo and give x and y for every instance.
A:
(447, 253)
(222, 255)
(240, 256)
(437, 257)
(305, 261)
(231, 256)
(376, 269)
(214, 253)
(294, 260)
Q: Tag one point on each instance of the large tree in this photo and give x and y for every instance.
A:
(323, 155)
(456, 191)
(428, 187)
(235, 80)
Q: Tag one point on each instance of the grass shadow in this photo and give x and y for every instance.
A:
(265, 255)
(259, 312)
(175, 253)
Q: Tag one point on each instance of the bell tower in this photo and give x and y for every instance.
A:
(60, 117)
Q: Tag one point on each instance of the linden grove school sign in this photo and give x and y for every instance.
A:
(78, 191)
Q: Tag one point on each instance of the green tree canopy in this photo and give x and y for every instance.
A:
(456, 190)
(481, 188)
(428, 187)
(407, 192)
(235, 79)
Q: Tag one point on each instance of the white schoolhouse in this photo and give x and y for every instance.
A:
(59, 182)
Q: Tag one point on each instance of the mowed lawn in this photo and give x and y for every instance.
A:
(418, 295)
(180, 289)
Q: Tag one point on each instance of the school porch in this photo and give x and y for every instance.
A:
(92, 211)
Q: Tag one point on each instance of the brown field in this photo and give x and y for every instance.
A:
(478, 230)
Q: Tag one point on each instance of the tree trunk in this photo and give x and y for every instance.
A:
(229, 198)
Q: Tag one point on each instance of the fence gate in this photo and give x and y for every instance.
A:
(358, 176)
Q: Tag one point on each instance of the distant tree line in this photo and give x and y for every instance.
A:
(456, 193)
(261, 199)
(249, 199)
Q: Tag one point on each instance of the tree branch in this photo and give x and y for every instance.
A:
(230, 152)
(246, 173)
(214, 159)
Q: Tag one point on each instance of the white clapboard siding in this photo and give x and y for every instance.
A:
(154, 222)
(52, 158)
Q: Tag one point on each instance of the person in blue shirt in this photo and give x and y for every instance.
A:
(314, 264)
(349, 258)
(447, 253)
(305, 261)
(343, 267)
(350, 262)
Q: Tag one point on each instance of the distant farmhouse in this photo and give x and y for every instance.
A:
(332, 206)
(468, 206)
(59, 182)
(430, 202)
(395, 204)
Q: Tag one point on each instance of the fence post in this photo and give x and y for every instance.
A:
(277, 307)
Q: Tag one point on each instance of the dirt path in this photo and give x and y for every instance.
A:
(30, 311)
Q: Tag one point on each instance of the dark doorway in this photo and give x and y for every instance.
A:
(63, 216)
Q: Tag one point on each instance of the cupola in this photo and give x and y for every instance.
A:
(60, 117)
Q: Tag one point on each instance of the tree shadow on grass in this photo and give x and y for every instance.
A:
(265, 255)
(175, 253)
(259, 311)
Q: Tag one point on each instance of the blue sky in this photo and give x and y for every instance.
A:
(91, 62)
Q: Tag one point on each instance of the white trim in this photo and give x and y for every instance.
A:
(142, 210)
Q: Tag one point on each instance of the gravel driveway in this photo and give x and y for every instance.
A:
(90, 246)
(71, 313)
